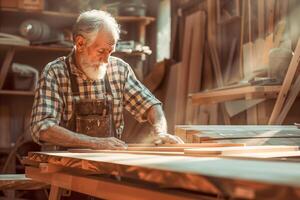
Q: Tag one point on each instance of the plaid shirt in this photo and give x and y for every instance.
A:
(53, 103)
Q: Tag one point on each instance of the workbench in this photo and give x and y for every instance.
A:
(119, 175)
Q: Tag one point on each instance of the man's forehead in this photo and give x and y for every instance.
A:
(106, 37)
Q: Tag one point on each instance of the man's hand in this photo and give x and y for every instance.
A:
(108, 143)
(165, 138)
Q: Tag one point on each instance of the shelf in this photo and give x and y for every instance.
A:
(66, 49)
(72, 16)
(16, 92)
(231, 94)
(37, 47)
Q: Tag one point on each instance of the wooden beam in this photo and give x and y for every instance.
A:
(286, 85)
(55, 193)
(217, 96)
(103, 188)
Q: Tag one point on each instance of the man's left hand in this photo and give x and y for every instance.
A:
(165, 138)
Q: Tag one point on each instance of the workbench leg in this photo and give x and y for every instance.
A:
(55, 193)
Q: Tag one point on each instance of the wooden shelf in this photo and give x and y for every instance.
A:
(37, 47)
(16, 92)
(126, 19)
(230, 94)
(65, 49)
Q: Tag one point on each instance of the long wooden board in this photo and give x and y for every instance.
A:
(217, 96)
(195, 65)
(221, 132)
(206, 175)
(223, 151)
(159, 150)
(19, 182)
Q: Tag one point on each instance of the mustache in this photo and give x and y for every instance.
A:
(94, 64)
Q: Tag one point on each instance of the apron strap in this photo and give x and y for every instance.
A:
(109, 91)
(74, 84)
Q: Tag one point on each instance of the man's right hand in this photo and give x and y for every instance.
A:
(108, 143)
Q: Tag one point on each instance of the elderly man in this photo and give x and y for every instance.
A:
(80, 98)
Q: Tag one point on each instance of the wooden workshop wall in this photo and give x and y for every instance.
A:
(217, 43)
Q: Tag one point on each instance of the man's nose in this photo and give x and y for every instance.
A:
(104, 58)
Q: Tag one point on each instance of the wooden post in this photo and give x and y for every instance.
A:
(55, 193)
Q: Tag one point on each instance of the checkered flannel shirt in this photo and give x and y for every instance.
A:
(53, 103)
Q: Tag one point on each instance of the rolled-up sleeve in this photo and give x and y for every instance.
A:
(137, 98)
(47, 106)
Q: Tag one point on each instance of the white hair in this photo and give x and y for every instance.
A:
(91, 22)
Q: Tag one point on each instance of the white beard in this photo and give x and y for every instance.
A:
(95, 72)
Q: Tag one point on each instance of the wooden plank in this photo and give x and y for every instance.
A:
(191, 173)
(207, 114)
(267, 155)
(286, 85)
(212, 43)
(216, 96)
(271, 15)
(294, 92)
(243, 19)
(104, 188)
(19, 182)
(159, 153)
(183, 71)
(195, 65)
(261, 18)
(223, 151)
(55, 193)
(185, 145)
(236, 127)
(171, 111)
(5, 66)
(162, 150)
(235, 133)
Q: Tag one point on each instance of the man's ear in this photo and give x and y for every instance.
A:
(80, 42)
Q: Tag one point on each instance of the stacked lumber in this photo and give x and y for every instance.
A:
(236, 42)
(250, 135)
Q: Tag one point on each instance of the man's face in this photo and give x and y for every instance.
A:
(93, 57)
